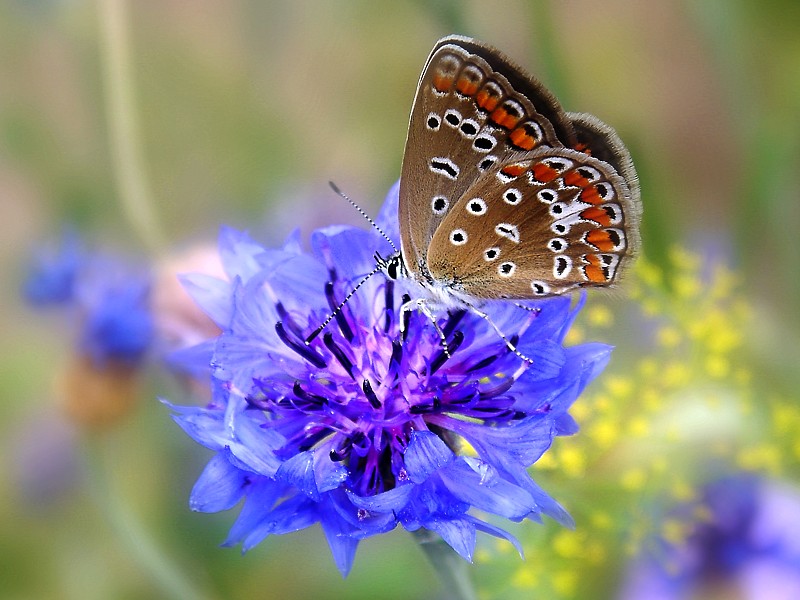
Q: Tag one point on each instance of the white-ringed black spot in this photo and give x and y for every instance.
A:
(445, 166)
(491, 254)
(558, 164)
(605, 191)
(452, 117)
(469, 128)
(476, 207)
(484, 142)
(433, 122)
(557, 209)
(540, 288)
(562, 266)
(608, 259)
(458, 237)
(559, 228)
(487, 163)
(439, 205)
(505, 177)
(506, 269)
(589, 173)
(547, 196)
(508, 231)
(557, 244)
(512, 196)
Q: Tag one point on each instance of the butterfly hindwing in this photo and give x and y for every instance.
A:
(542, 223)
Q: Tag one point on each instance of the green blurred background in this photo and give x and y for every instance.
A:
(244, 110)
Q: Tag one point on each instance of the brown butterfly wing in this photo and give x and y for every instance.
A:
(542, 223)
(474, 109)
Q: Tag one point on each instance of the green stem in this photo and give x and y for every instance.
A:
(554, 73)
(143, 550)
(453, 570)
(133, 188)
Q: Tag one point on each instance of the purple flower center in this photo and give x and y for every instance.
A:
(372, 385)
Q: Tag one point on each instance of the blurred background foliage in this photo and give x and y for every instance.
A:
(244, 110)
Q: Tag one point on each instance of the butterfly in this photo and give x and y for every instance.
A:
(503, 194)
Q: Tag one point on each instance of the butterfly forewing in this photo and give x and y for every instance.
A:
(542, 223)
(467, 118)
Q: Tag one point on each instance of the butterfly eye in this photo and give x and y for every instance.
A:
(458, 237)
(476, 206)
(439, 205)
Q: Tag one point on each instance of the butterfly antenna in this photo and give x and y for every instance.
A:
(365, 215)
(338, 309)
(534, 309)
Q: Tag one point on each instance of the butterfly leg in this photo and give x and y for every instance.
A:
(422, 306)
(511, 346)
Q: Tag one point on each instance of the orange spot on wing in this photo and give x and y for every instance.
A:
(442, 83)
(544, 173)
(600, 239)
(466, 86)
(594, 270)
(591, 195)
(576, 179)
(486, 100)
(514, 170)
(521, 139)
(596, 214)
(500, 116)
(581, 147)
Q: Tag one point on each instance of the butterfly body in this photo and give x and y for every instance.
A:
(503, 194)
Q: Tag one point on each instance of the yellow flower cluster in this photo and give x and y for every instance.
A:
(675, 406)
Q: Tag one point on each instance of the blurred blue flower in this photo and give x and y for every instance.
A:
(107, 298)
(746, 546)
(368, 428)
(52, 272)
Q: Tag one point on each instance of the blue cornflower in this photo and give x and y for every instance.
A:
(107, 298)
(53, 271)
(372, 425)
(746, 546)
